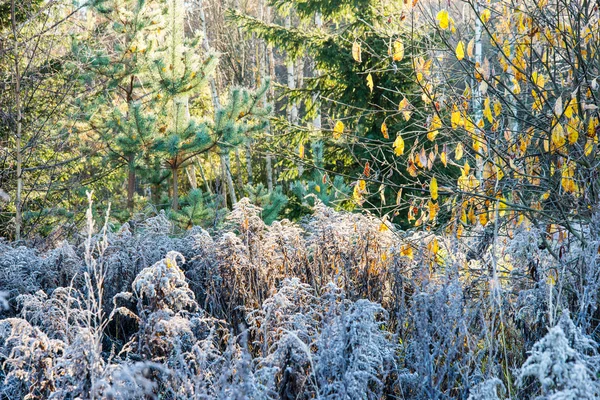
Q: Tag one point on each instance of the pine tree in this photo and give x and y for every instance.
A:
(271, 202)
(198, 209)
(133, 133)
(117, 61)
(182, 74)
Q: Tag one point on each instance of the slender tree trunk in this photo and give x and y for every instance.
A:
(317, 123)
(291, 83)
(175, 204)
(226, 163)
(223, 186)
(265, 63)
(177, 27)
(477, 101)
(249, 163)
(18, 133)
(269, 174)
(206, 185)
(238, 162)
(130, 183)
(291, 79)
(191, 174)
(217, 105)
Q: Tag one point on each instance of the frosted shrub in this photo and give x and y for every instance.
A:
(284, 251)
(350, 249)
(487, 390)
(355, 354)
(335, 306)
(559, 371)
(58, 315)
(27, 360)
(284, 328)
(163, 286)
(323, 347)
(436, 348)
(128, 381)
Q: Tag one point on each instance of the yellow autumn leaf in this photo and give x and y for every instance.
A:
(398, 52)
(434, 246)
(370, 82)
(470, 48)
(497, 108)
(545, 196)
(487, 111)
(558, 136)
(436, 123)
(384, 130)
(362, 185)
(404, 107)
(567, 178)
(591, 129)
(399, 197)
(466, 169)
(459, 231)
(444, 158)
(357, 195)
(399, 146)
(589, 146)
(301, 150)
(485, 15)
(433, 188)
(499, 171)
(502, 206)
(571, 108)
(573, 130)
(483, 218)
(538, 79)
(516, 87)
(443, 19)
(455, 118)
(338, 129)
(433, 209)
(458, 152)
(356, 52)
(407, 251)
(460, 50)
(551, 278)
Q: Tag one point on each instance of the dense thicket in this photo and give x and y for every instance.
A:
(335, 306)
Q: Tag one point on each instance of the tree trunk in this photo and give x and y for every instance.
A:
(249, 162)
(317, 123)
(217, 105)
(269, 173)
(238, 162)
(191, 174)
(130, 183)
(206, 185)
(175, 204)
(18, 133)
(228, 180)
(291, 80)
(291, 83)
(477, 97)
(265, 65)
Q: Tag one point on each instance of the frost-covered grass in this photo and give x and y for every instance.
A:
(334, 307)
